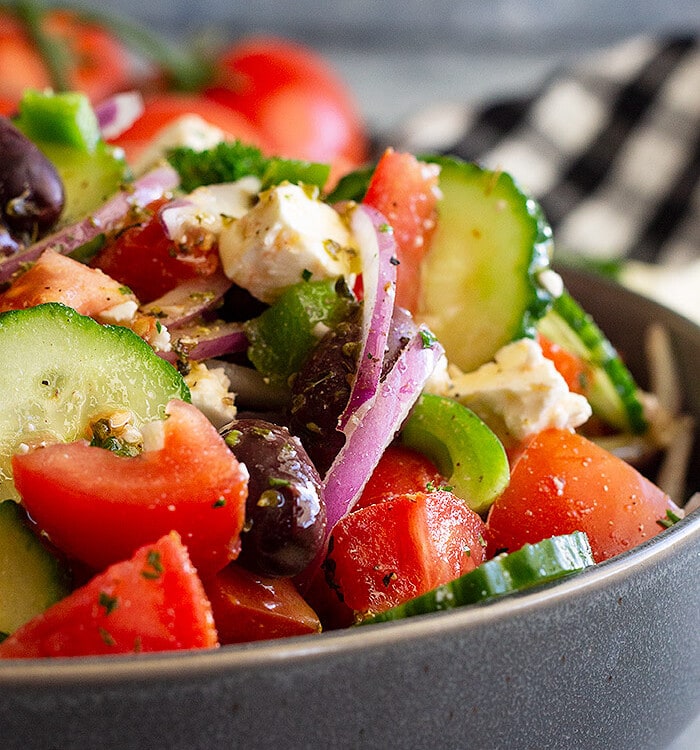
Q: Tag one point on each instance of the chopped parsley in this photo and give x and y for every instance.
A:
(154, 565)
(109, 603)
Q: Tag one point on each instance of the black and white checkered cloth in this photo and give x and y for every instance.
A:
(610, 148)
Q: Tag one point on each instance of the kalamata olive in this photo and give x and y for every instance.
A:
(285, 512)
(321, 390)
(31, 190)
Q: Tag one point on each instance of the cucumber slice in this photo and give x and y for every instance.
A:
(31, 578)
(62, 370)
(466, 452)
(613, 393)
(479, 278)
(531, 565)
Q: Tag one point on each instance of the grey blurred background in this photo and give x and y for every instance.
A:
(398, 55)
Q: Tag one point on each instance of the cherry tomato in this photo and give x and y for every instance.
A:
(148, 262)
(386, 553)
(293, 98)
(249, 607)
(20, 63)
(562, 482)
(163, 108)
(92, 59)
(152, 602)
(405, 191)
(98, 507)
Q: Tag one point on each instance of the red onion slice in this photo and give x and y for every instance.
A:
(188, 300)
(105, 219)
(118, 113)
(368, 435)
(378, 253)
(200, 341)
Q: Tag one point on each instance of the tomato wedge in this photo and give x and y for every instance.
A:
(562, 482)
(58, 278)
(386, 553)
(405, 190)
(249, 607)
(149, 263)
(400, 471)
(152, 602)
(99, 507)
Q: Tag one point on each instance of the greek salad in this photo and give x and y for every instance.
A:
(242, 399)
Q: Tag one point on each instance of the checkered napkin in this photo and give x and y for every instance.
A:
(610, 148)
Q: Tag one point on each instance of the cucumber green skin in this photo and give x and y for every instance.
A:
(464, 449)
(31, 578)
(62, 369)
(531, 565)
(479, 278)
(614, 393)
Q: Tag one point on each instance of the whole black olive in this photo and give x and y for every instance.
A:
(31, 190)
(285, 512)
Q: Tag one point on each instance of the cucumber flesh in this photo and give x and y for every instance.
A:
(612, 392)
(529, 566)
(479, 278)
(62, 370)
(31, 578)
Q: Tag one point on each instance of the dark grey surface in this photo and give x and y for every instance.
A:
(609, 660)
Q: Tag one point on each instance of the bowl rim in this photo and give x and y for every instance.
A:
(218, 662)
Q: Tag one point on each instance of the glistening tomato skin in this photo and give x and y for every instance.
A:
(98, 507)
(152, 602)
(383, 554)
(144, 259)
(400, 471)
(562, 482)
(293, 98)
(248, 607)
(405, 191)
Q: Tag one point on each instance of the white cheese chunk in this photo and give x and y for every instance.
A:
(208, 208)
(288, 235)
(520, 393)
(210, 393)
(119, 315)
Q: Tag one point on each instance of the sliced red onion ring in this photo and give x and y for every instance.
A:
(105, 219)
(118, 113)
(201, 341)
(181, 305)
(378, 254)
(368, 435)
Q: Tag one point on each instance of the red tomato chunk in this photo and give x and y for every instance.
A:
(152, 602)
(98, 507)
(562, 482)
(249, 607)
(384, 554)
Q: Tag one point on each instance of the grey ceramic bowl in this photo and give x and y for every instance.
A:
(609, 659)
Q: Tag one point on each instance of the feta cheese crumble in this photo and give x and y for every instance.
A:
(288, 235)
(520, 393)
